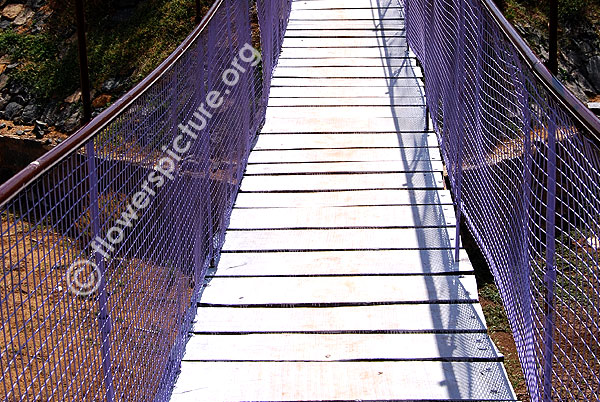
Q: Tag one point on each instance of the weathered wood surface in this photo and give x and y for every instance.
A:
(395, 318)
(406, 156)
(345, 167)
(337, 280)
(341, 347)
(345, 14)
(339, 239)
(351, 4)
(343, 198)
(407, 216)
(331, 182)
(340, 290)
(320, 263)
(343, 140)
(345, 381)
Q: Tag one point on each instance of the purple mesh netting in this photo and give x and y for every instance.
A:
(525, 174)
(142, 206)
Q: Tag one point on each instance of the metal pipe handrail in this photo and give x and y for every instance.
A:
(19, 181)
(556, 88)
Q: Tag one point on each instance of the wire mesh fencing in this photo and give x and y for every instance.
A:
(523, 159)
(105, 241)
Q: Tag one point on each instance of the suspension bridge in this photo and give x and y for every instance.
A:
(284, 225)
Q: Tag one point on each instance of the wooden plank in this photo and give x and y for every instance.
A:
(343, 33)
(339, 239)
(404, 155)
(364, 101)
(343, 217)
(346, 52)
(347, 62)
(347, 82)
(340, 347)
(357, 42)
(367, 181)
(387, 93)
(333, 4)
(339, 124)
(383, 27)
(462, 317)
(347, 72)
(380, 262)
(235, 291)
(343, 198)
(366, 112)
(345, 167)
(269, 141)
(342, 381)
(345, 14)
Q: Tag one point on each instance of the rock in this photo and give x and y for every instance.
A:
(101, 101)
(110, 85)
(49, 115)
(4, 99)
(74, 98)
(20, 132)
(35, 4)
(576, 90)
(4, 24)
(13, 65)
(30, 113)
(72, 123)
(12, 110)
(3, 81)
(39, 129)
(24, 17)
(12, 10)
(22, 98)
(593, 70)
(15, 88)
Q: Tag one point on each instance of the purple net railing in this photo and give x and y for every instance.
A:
(523, 159)
(106, 239)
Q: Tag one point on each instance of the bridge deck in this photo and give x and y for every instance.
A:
(337, 279)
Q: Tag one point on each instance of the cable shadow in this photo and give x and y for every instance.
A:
(402, 79)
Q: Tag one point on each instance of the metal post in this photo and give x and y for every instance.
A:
(104, 323)
(553, 38)
(550, 277)
(84, 74)
(458, 123)
(198, 12)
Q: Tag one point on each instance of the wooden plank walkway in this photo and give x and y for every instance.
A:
(337, 280)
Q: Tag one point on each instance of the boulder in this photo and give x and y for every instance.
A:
(101, 101)
(593, 70)
(30, 113)
(3, 81)
(11, 11)
(12, 110)
(23, 18)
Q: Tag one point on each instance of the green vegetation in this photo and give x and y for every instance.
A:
(118, 46)
(570, 12)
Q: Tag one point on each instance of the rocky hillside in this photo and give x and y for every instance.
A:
(579, 40)
(39, 77)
